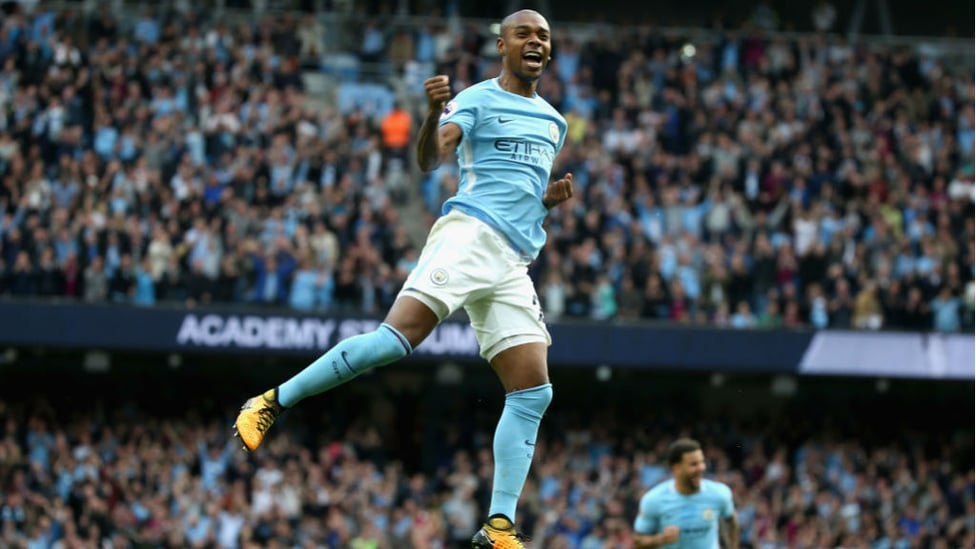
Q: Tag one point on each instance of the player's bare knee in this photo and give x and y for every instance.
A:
(527, 379)
(413, 319)
(522, 367)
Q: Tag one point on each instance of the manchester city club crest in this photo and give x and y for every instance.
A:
(708, 514)
(439, 277)
(554, 132)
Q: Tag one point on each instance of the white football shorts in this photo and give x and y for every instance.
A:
(466, 263)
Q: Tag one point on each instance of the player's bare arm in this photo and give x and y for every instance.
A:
(558, 192)
(728, 532)
(435, 142)
(646, 541)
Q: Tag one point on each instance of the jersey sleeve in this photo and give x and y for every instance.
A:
(564, 128)
(462, 110)
(648, 521)
(727, 506)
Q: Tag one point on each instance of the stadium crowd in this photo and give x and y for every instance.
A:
(100, 476)
(756, 181)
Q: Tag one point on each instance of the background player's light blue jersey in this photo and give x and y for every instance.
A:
(696, 515)
(506, 152)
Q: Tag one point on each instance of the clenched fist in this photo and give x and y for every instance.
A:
(558, 191)
(438, 90)
(670, 535)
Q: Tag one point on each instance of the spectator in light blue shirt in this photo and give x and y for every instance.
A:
(65, 245)
(145, 291)
(64, 190)
(214, 461)
(688, 275)
(147, 29)
(743, 317)
(163, 103)
(425, 45)
(945, 311)
(569, 61)
(668, 257)
(373, 43)
(198, 528)
(301, 297)
(106, 135)
(311, 288)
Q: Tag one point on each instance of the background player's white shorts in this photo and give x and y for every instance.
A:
(466, 263)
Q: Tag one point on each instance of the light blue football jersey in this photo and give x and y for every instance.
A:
(695, 515)
(506, 152)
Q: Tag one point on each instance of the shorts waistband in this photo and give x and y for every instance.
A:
(478, 216)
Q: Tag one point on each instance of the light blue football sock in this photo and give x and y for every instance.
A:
(514, 446)
(349, 358)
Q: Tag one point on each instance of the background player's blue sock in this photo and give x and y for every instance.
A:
(349, 358)
(514, 446)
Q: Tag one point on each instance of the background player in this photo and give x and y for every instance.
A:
(476, 257)
(687, 511)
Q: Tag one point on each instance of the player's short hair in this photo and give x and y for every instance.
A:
(510, 20)
(680, 447)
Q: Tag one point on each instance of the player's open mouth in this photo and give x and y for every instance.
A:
(532, 59)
